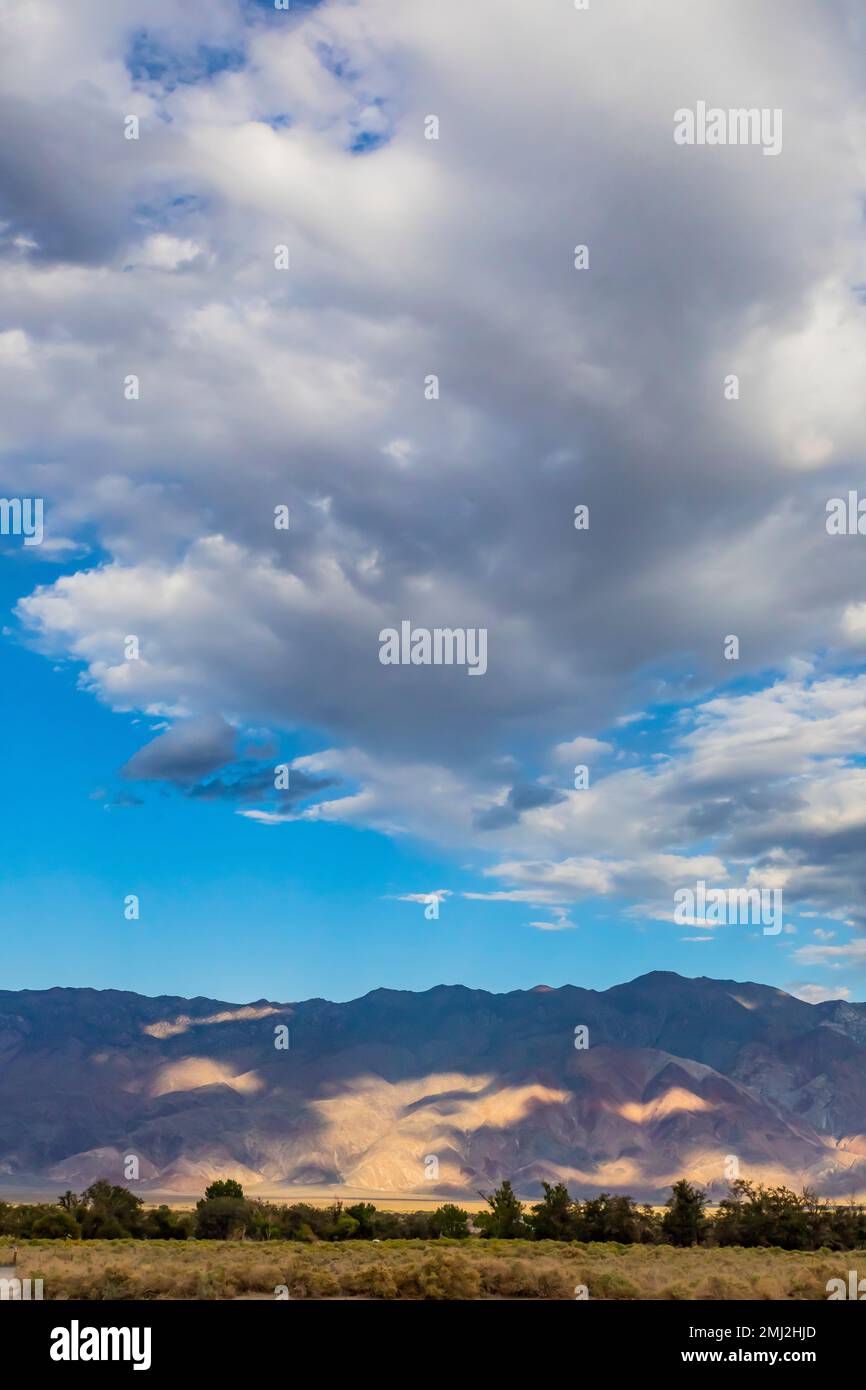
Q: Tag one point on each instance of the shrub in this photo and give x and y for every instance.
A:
(607, 1284)
(447, 1275)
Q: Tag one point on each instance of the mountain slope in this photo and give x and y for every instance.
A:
(435, 1093)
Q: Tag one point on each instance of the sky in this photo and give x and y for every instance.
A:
(296, 346)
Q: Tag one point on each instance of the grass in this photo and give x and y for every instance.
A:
(417, 1269)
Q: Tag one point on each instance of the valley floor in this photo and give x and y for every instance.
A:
(441, 1269)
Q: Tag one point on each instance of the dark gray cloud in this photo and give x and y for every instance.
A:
(184, 753)
(247, 783)
(198, 756)
(521, 797)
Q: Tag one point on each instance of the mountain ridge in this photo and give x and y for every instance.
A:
(438, 1090)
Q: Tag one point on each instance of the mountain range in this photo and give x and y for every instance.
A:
(437, 1094)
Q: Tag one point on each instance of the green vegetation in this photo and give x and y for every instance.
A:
(684, 1222)
(751, 1216)
(102, 1212)
(505, 1218)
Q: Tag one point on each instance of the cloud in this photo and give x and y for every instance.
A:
(770, 781)
(164, 252)
(198, 756)
(332, 376)
(261, 388)
(250, 781)
(817, 994)
(184, 753)
(578, 749)
(519, 798)
(437, 895)
(561, 922)
(852, 953)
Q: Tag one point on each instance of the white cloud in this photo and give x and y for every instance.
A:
(579, 748)
(853, 953)
(818, 994)
(435, 895)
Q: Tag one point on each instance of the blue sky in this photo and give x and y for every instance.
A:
(430, 220)
(233, 909)
(228, 908)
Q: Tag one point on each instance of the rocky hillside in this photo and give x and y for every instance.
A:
(435, 1093)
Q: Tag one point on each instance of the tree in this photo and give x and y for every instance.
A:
(222, 1218)
(450, 1221)
(341, 1226)
(505, 1218)
(162, 1223)
(365, 1215)
(56, 1225)
(684, 1222)
(757, 1215)
(302, 1222)
(109, 1212)
(608, 1217)
(416, 1225)
(264, 1220)
(224, 1187)
(555, 1217)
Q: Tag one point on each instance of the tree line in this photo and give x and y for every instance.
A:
(751, 1215)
